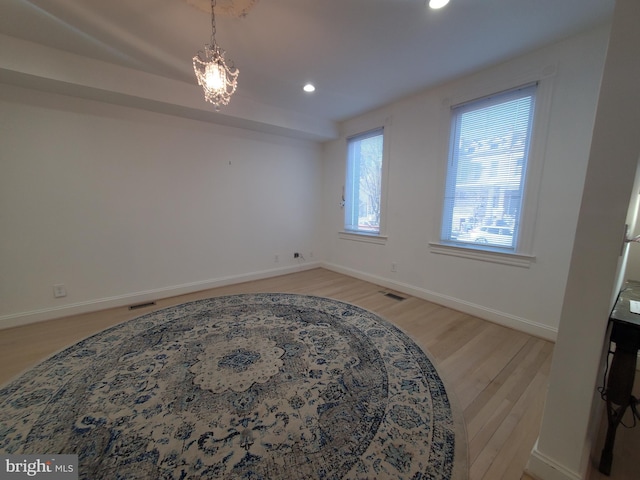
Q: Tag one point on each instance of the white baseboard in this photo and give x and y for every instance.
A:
(507, 320)
(541, 466)
(24, 318)
(517, 323)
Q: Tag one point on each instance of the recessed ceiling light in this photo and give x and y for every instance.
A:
(435, 4)
(309, 88)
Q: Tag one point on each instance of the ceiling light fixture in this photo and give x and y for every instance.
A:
(217, 79)
(435, 4)
(309, 88)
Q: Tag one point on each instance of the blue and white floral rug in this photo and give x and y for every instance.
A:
(256, 386)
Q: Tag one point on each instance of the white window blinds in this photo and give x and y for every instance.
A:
(487, 166)
(363, 187)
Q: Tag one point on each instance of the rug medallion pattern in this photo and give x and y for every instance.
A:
(256, 386)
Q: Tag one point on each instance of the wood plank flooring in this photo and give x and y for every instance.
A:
(497, 375)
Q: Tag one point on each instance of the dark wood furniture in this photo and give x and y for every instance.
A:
(625, 333)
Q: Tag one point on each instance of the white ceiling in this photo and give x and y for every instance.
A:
(360, 54)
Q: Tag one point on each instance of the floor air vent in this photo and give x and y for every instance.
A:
(141, 305)
(395, 296)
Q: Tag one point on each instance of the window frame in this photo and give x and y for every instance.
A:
(454, 167)
(523, 253)
(361, 130)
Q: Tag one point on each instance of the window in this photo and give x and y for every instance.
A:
(488, 158)
(363, 186)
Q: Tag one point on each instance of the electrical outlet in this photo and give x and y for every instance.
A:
(59, 291)
(394, 267)
(276, 258)
(296, 255)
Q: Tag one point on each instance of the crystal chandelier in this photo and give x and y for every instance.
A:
(217, 79)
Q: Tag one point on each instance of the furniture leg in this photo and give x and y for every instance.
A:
(619, 392)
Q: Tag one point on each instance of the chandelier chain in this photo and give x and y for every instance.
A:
(213, 22)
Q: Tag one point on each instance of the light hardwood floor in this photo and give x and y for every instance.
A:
(497, 375)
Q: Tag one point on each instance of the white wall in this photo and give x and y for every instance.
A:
(633, 263)
(609, 201)
(529, 298)
(123, 205)
(94, 195)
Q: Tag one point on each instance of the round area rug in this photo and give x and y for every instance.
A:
(256, 386)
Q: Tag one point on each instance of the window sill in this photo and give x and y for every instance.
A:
(363, 237)
(485, 254)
